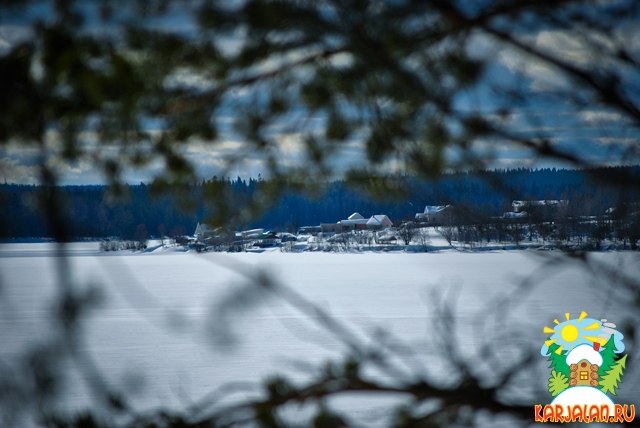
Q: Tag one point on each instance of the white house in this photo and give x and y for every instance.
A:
(204, 231)
(353, 222)
(250, 234)
(379, 221)
(433, 213)
(546, 204)
(357, 222)
(330, 228)
(515, 215)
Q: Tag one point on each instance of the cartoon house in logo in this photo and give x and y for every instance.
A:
(586, 360)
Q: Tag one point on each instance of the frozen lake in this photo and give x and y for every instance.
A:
(157, 332)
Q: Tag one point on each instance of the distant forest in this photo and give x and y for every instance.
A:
(94, 211)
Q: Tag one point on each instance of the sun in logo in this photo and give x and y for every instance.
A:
(574, 332)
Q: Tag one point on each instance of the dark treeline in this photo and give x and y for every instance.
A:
(94, 211)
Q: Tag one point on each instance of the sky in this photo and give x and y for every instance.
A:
(595, 134)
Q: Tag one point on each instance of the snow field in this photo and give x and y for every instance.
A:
(156, 331)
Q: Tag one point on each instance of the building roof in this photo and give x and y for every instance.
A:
(540, 203)
(251, 234)
(355, 216)
(203, 228)
(433, 209)
(521, 214)
(356, 221)
(379, 220)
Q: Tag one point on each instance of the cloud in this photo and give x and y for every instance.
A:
(599, 117)
(541, 76)
(573, 46)
(13, 34)
(618, 141)
(13, 171)
(587, 49)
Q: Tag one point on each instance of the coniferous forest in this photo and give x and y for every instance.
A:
(97, 211)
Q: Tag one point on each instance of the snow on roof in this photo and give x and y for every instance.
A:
(584, 352)
(378, 219)
(253, 231)
(521, 214)
(541, 202)
(432, 209)
(355, 221)
(355, 216)
(202, 228)
(251, 234)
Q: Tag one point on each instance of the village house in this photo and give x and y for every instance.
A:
(545, 209)
(378, 222)
(309, 230)
(250, 234)
(204, 231)
(354, 222)
(207, 236)
(625, 209)
(514, 216)
(328, 228)
(434, 214)
(549, 204)
(357, 222)
(267, 239)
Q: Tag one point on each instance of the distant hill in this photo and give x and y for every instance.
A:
(92, 211)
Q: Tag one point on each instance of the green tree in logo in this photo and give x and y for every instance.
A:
(558, 382)
(559, 379)
(611, 379)
(608, 357)
(558, 361)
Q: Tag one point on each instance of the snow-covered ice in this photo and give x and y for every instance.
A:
(153, 332)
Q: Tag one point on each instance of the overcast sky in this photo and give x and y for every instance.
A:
(594, 133)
